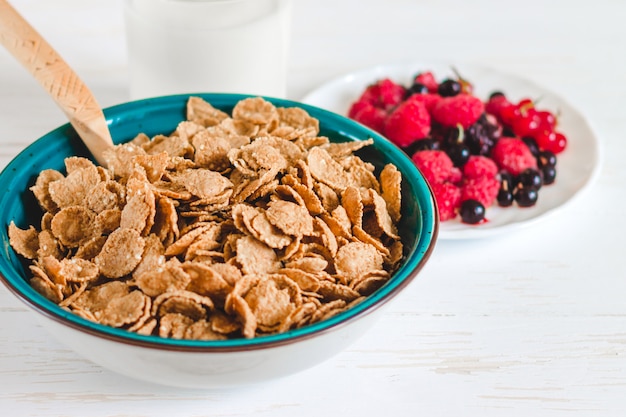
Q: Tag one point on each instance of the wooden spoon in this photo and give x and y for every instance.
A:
(57, 78)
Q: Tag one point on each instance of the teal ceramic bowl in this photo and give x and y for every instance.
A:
(207, 364)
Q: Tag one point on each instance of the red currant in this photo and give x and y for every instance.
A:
(508, 114)
(544, 138)
(525, 125)
(552, 141)
(547, 120)
(526, 107)
(559, 144)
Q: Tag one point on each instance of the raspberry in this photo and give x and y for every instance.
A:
(462, 109)
(357, 106)
(436, 166)
(370, 94)
(448, 198)
(365, 113)
(496, 103)
(479, 166)
(481, 189)
(455, 175)
(384, 94)
(409, 122)
(513, 155)
(428, 100)
(390, 94)
(428, 79)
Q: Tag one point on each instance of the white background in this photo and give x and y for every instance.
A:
(527, 324)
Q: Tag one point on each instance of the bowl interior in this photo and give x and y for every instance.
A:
(418, 227)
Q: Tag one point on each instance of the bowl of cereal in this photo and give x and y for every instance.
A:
(229, 240)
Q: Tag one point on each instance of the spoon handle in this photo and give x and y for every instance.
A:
(57, 78)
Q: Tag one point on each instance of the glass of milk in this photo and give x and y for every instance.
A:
(205, 46)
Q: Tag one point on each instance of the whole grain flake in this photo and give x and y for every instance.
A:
(226, 227)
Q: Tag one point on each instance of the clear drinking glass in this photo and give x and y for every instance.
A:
(193, 46)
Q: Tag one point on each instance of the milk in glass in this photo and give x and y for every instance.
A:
(194, 46)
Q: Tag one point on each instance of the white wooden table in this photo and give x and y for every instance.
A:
(527, 324)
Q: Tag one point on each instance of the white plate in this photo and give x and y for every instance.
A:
(577, 167)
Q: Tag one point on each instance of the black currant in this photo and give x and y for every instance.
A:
(526, 196)
(546, 159)
(495, 94)
(507, 181)
(453, 136)
(416, 88)
(504, 197)
(493, 128)
(530, 178)
(478, 139)
(449, 88)
(427, 144)
(532, 145)
(549, 174)
(508, 132)
(472, 212)
(458, 153)
(505, 193)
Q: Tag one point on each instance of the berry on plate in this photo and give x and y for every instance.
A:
(427, 99)
(513, 155)
(390, 94)
(478, 166)
(448, 198)
(410, 121)
(473, 153)
(427, 79)
(462, 109)
(472, 212)
(436, 166)
(385, 94)
(481, 189)
(366, 113)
